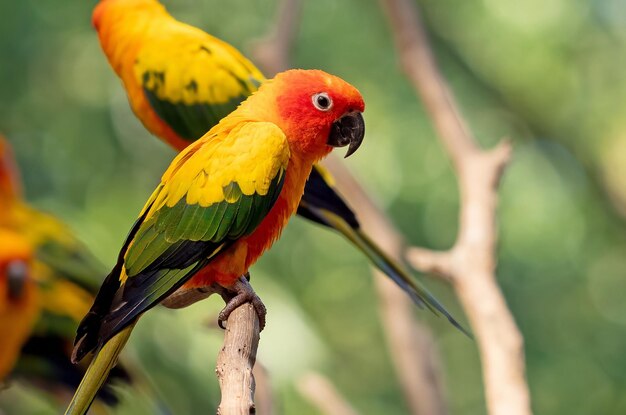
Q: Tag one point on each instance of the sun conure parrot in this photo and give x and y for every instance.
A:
(181, 81)
(19, 303)
(221, 203)
(66, 277)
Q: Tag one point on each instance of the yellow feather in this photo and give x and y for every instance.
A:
(193, 56)
(66, 299)
(259, 146)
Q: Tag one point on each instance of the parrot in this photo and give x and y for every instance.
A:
(181, 81)
(63, 278)
(222, 202)
(19, 305)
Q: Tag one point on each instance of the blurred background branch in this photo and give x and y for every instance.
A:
(471, 262)
(263, 394)
(411, 344)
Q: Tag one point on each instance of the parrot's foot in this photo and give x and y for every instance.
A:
(241, 293)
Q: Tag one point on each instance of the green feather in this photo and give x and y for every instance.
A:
(188, 221)
(190, 121)
(161, 238)
(197, 232)
(213, 226)
(242, 219)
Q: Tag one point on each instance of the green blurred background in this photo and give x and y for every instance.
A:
(547, 74)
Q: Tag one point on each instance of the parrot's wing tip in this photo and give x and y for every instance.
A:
(78, 352)
(431, 302)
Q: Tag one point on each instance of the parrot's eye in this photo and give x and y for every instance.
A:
(17, 274)
(322, 101)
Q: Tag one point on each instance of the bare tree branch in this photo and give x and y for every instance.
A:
(415, 357)
(430, 262)
(322, 394)
(471, 263)
(235, 362)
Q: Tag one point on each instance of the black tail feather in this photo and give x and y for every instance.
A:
(88, 332)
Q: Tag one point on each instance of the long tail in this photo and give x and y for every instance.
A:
(98, 372)
(388, 266)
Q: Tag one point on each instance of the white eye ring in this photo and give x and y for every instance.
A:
(322, 101)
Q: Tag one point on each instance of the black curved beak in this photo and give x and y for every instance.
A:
(347, 130)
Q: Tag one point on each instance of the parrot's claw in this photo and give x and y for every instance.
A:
(243, 293)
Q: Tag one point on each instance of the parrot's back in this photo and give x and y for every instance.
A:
(180, 80)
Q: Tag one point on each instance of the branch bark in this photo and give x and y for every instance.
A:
(471, 263)
(235, 362)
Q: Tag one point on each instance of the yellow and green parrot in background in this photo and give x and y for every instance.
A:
(182, 81)
(223, 201)
(56, 245)
(60, 279)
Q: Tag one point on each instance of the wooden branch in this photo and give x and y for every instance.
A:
(413, 352)
(471, 263)
(235, 362)
(430, 262)
(322, 394)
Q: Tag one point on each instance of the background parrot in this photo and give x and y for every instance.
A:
(55, 244)
(222, 202)
(59, 278)
(181, 81)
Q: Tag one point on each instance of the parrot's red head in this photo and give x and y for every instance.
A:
(15, 257)
(317, 111)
